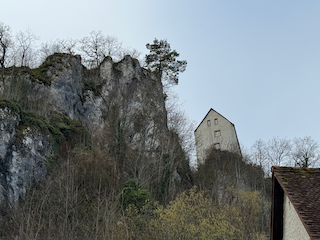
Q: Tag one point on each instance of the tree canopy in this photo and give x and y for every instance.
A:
(164, 60)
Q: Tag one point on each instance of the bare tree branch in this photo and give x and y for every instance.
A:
(25, 54)
(306, 152)
(279, 151)
(6, 43)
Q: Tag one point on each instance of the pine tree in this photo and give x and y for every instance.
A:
(164, 60)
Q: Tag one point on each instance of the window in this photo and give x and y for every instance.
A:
(217, 145)
(217, 133)
(209, 123)
(216, 121)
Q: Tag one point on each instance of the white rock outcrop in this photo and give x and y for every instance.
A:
(22, 156)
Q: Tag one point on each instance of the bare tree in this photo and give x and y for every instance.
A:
(259, 152)
(179, 123)
(134, 53)
(68, 45)
(6, 43)
(113, 47)
(279, 151)
(96, 47)
(48, 49)
(305, 152)
(58, 46)
(92, 47)
(25, 52)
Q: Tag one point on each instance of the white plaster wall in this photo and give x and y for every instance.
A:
(293, 228)
(205, 137)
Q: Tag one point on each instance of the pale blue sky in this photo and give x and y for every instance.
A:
(255, 62)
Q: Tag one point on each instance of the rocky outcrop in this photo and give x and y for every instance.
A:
(62, 90)
(114, 94)
(89, 95)
(23, 152)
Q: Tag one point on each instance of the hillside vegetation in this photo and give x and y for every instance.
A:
(88, 151)
(100, 187)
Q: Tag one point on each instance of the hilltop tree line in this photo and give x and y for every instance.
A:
(296, 152)
(22, 49)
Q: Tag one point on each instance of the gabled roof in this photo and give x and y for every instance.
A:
(302, 186)
(208, 114)
(225, 119)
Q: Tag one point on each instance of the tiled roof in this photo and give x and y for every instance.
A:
(302, 186)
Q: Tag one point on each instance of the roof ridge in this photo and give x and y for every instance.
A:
(211, 109)
(280, 168)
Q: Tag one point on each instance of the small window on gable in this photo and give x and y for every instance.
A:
(216, 121)
(217, 145)
(208, 123)
(217, 133)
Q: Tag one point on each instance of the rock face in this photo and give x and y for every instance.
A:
(119, 93)
(22, 156)
(89, 95)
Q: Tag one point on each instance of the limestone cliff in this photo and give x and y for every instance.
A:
(89, 95)
(116, 95)
(23, 153)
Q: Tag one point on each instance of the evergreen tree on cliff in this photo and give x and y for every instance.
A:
(164, 60)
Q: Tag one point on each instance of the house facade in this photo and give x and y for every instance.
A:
(292, 225)
(217, 131)
(295, 209)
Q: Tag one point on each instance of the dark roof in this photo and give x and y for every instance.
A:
(302, 186)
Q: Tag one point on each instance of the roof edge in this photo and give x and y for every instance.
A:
(285, 191)
(211, 109)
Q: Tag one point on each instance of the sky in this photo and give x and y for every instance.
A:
(255, 62)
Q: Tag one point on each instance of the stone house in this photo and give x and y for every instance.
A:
(215, 130)
(295, 207)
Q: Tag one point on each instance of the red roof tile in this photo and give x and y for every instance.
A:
(302, 186)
